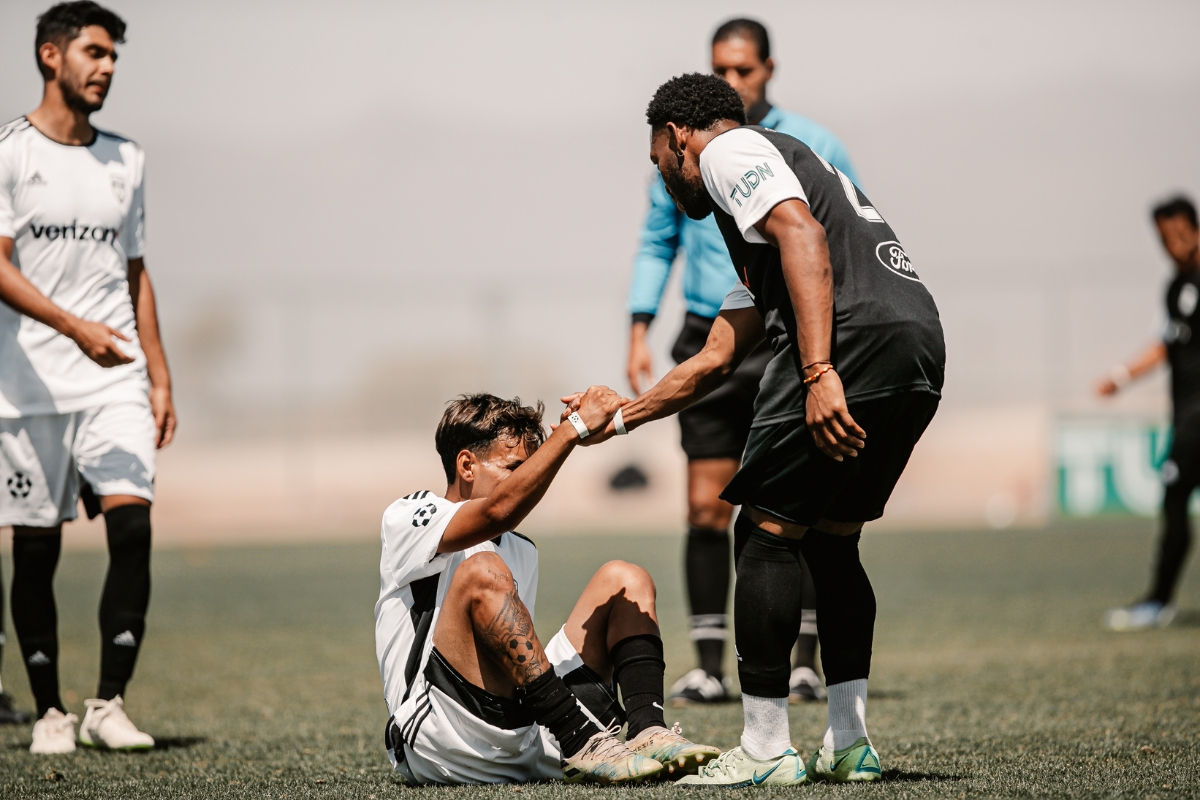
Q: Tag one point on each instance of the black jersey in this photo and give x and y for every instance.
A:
(887, 337)
(1183, 345)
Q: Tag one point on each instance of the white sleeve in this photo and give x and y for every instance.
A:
(133, 235)
(738, 297)
(412, 531)
(7, 214)
(746, 177)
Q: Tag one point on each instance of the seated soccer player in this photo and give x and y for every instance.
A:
(474, 696)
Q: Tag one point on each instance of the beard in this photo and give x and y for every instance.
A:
(690, 195)
(72, 92)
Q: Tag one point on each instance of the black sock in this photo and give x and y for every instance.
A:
(35, 617)
(638, 668)
(553, 706)
(766, 608)
(125, 598)
(706, 559)
(806, 642)
(845, 605)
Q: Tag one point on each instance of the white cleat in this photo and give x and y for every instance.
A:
(1140, 617)
(804, 686)
(54, 733)
(698, 687)
(106, 725)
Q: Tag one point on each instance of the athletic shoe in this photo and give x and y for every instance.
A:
(805, 686)
(669, 748)
(858, 762)
(9, 715)
(106, 725)
(605, 759)
(699, 687)
(54, 733)
(1148, 614)
(734, 769)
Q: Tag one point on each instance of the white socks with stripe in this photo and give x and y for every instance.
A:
(847, 714)
(766, 735)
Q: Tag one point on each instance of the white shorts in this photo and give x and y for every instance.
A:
(447, 740)
(42, 458)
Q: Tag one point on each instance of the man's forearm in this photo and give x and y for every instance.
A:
(687, 383)
(146, 319)
(17, 292)
(809, 280)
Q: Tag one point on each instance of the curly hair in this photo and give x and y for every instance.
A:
(476, 421)
(695, 100)
(61, 24)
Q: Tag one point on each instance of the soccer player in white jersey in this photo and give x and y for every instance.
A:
(473, 695)
(85, 396)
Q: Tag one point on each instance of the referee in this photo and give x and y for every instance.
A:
(85, 395)
(714, 431)
(1180, 347)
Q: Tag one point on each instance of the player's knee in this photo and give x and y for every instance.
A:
(632, 579)
(484, 574)
(708, 511)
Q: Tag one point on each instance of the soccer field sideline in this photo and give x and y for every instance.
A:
(991, 678)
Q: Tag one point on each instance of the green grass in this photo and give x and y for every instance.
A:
(991, 675)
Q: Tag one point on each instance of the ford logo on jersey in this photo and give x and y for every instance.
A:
(892, 256)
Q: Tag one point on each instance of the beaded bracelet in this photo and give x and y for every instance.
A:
(816, 376)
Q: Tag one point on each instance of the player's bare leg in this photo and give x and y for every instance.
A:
(614, 628)
(486, 634)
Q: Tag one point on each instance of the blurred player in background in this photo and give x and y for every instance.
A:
(1180, 347)
(842, 403)
(714, 430)
(474, 697)
(85, 395)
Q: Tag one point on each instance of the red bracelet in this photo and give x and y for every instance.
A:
(816, 376)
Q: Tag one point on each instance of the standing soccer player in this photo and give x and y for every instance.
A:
(85, 395)
(714, 430)
(843, 402)
(1180, 347)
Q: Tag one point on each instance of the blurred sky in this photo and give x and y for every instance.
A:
(358, 209)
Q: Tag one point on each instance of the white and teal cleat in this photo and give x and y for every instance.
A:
(606, 760)
(735, 769)
(857, 763)
(1140, 617)
(678, 755)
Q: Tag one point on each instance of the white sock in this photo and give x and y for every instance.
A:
(766, 734)
(847, 714)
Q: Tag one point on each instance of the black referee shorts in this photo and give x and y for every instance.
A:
(784, 474)
(718, 425)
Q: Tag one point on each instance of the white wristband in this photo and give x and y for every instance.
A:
(619, 423)
(580, 427)
(1120, 375)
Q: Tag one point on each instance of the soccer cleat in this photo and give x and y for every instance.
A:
(606, 760)
(54, 733)
(9, 715)
(1145, 615)
(699, 687)
(857, 763)
(668, 747)
(735, 769)
(106, 725)
(804, 685)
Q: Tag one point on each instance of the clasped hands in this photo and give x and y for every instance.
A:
(596, 407)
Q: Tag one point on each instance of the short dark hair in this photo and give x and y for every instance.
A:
(62, 23)
(695, 100)
(750, 29)
(475, 421)
(1178, 206)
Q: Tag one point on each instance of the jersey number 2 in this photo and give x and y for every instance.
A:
(866, 212)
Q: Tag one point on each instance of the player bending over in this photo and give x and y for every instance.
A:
(474, 697)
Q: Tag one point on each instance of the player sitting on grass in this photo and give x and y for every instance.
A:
(473, 695)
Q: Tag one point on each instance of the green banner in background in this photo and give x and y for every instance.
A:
(1110, 465)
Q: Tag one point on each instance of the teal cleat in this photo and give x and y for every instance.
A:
(857, 763)
(734, 769)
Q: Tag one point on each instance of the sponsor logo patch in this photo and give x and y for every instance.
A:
(892, 256)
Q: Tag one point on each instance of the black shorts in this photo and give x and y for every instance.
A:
(718, 425)
(784, 474)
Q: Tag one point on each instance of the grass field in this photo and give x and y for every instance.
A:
(991, 675)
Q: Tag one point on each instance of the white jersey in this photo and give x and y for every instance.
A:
(414, 577)
(76, 217)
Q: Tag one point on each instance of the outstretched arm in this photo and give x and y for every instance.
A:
(1122, 374)
(517, 495)
(95, 339)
